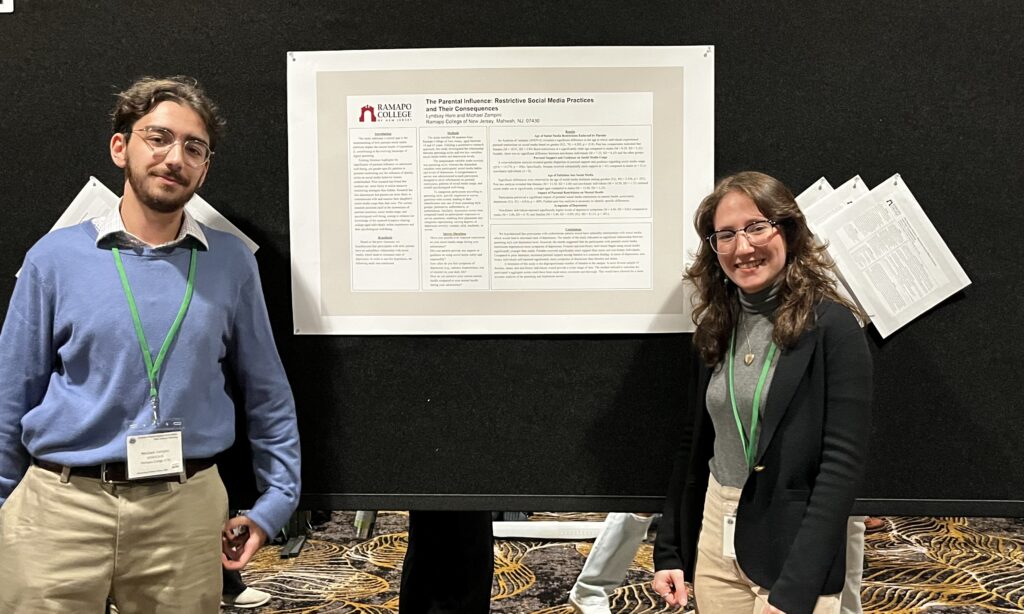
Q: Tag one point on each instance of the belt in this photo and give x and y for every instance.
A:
(118, 472)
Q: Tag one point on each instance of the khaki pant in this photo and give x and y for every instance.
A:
(719, 585)
(155, 548)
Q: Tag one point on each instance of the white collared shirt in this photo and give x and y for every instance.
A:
(110, 229)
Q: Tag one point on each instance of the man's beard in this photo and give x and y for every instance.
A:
(161, 203)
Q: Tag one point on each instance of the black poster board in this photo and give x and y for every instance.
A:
(582, 422)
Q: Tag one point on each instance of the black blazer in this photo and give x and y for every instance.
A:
(792, 515)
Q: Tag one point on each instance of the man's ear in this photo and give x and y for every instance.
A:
(202, 178)
(118, 149)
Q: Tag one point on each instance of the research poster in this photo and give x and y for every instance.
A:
(496, 191)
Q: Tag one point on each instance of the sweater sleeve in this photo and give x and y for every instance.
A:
(844, 445)
(27, 359)
(269, 407)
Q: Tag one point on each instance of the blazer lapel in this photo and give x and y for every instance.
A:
(788, 373)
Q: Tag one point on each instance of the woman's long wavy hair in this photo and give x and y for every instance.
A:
(805, 279)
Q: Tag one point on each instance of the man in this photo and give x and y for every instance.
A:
(123, 338)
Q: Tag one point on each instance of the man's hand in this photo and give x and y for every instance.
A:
(240, 539)
(670, 585)
(770, 609)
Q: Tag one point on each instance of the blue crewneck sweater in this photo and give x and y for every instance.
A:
(72, 375)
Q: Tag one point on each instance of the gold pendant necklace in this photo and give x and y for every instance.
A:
(748, 359)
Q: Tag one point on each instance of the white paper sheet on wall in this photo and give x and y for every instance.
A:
(891, 255)
(821, 209)
(815, 192)
(818, 192)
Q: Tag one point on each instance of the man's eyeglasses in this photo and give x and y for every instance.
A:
(758, 233)
(160, 141)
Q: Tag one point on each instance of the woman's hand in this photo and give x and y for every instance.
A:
(670, 585)
(770, 609)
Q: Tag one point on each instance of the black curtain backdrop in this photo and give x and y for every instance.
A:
(929, 90)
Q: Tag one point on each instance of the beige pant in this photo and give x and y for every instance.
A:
(155, 548)
(719, 585)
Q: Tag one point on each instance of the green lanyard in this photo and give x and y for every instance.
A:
(749, 443)
(153, 368)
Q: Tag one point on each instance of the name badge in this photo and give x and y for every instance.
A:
(155, 455)
(729, 536)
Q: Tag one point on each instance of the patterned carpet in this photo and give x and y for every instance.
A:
(914, 565)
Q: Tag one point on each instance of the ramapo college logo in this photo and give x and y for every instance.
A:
(386, 112)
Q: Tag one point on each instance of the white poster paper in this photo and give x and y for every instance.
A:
(536, 190)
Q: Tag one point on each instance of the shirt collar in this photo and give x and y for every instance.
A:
(110, 231)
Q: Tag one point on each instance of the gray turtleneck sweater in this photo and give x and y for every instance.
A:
(753, 335)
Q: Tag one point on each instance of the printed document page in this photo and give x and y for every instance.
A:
(820, 210)
(824, 198)
(892, 256)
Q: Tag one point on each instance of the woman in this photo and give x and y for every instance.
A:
(784, 385)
